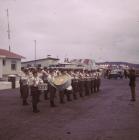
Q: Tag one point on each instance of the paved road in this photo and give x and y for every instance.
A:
(108, 115)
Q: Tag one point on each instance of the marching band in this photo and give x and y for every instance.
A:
(40, 81)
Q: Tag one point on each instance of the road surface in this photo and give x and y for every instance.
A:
(107, 115)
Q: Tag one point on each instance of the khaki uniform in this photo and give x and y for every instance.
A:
(52, 91)
(35, 93)
(95, 83)
(24, 88)
(61, 96)
(81, 87)
(21, 74)
(92, 85)
(98, 81)
(87, 85)
(68, 93)
(75, 87)
(45, 80)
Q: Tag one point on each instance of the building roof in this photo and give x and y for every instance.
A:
(88, 63)
(67, 63)
(9, 54)
(48, 58)
(82, 61)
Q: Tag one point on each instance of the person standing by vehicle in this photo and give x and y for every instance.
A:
(132, 83)
(125, 74)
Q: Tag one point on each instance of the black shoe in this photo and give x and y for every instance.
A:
(25, 103)
(53, 105)
(69, 100)
(80, 95)
(39, 100)
(46, 98)
(62, 102)
(133, 100)
(36, 111)
(75, 97)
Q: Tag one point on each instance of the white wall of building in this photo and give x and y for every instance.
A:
(43, 63)
(7, 68)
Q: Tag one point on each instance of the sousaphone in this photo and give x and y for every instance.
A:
(61, 82)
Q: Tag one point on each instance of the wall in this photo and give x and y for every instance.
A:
(7, 68)
(44, 63)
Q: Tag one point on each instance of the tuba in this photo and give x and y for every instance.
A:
(61, 82)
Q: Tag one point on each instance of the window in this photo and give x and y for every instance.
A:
(4, 62)
(13, 65)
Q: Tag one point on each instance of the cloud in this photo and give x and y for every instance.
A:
(102, 30)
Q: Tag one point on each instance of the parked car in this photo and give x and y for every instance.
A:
(116, 73)
(137, 72)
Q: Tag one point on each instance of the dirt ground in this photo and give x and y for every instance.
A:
(107, 115)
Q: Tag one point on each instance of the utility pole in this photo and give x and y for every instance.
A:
(35, 52)
(8, 31)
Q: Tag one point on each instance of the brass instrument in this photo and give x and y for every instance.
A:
(61, 82)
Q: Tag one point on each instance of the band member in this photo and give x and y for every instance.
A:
(87, 84)
(92, 82)
(21, 74)
(24, 86)
(34, 82)
(81, 84)
(95, 82)
(45, 80)
(75, 85)
(68, 91)
(98, 81)
(40, 75)
(40, 72)
(51, 88)
(61, 91)
(132, 83)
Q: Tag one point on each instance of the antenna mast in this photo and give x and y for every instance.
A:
(35, 51)
(8, 31)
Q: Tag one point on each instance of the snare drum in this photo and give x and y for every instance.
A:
(43, 86)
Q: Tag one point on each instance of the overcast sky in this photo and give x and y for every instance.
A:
(104, 30)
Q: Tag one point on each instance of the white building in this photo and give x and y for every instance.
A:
(89, 64)
(68, 65)
(10, 63)
(45, 62)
